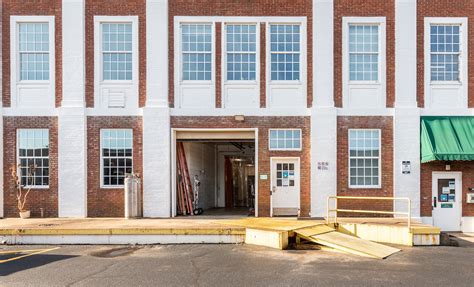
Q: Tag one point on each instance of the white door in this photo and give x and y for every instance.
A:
(285, 179)
(447, 187)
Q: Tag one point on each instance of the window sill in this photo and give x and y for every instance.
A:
(364, 83)
(284, 149)
(112, 187)
(197, 82)
(446, 83)
(292, 83)
(365, 186)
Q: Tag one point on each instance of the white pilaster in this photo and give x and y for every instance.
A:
(323, 53)
(72, 127)
(323, 115)
(405, 53)
(406, 134)
(1, 124)
(156, 115)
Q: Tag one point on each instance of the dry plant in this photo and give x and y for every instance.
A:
(21, 195)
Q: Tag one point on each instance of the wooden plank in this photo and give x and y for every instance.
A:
(354, 245)
(273, 239)
(314, 230)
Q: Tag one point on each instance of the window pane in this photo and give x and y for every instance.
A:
(241, 52)
(33, 145)
(363, 52)
(285, 139)
(34, 51)
(117, 51)
(445, 51)
(285, 52)
(196, 41)
(364, 146)
(116, 155)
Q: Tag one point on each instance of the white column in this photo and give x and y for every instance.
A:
(1, 125)
(323, 115)
(406, 116)
(156, 116)
(405, 54)
(72, 127)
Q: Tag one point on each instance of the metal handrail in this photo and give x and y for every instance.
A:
(336, 210)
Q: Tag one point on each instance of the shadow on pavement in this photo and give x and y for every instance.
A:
(29, 262)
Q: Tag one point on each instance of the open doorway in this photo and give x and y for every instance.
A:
(221, 174)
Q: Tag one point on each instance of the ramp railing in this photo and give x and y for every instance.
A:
(335, 210)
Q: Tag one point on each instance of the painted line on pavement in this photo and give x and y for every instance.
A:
(33, 252)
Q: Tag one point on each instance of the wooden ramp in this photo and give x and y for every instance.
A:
(343, 242)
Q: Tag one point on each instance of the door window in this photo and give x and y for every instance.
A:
(446, 192)
(285, 174)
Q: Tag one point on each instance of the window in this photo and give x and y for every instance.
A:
(116, 156)
(196, 51)
(285, 174)
(285, 52)
(34, 51)
(445, 46)
(117, 51)
(33, 156)
(364, 158)
(285, 139)
(241, 52)
(363, 52)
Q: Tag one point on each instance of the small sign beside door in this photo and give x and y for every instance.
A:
(406, 167)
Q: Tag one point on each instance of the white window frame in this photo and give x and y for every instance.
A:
(98, 55)
(49, 157)
(347, 84)
(379, 185)
(17, 84)
(285, 149)
(224, 54)
(101, 165)
(462, 84)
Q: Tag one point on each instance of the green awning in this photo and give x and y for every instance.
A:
(447, 138)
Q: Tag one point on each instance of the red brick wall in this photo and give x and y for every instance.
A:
(444, 8)
(264, 154)
(385, 124)
(108, 202)
(38, 198)
(24, 8)
(467, 169)
(295, 8)
(364, 8)
(115, 8)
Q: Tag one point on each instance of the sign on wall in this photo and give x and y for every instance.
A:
(406, 167)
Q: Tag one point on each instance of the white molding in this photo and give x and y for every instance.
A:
(460, 88)
(48, 87)
(380, 85)
(244, 111)
(365, 112)
(131, 99)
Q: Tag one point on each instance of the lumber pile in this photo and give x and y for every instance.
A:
(185, 189)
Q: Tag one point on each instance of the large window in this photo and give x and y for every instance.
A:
(445, 45)
(241, 52)
(116, 155)
(285, 139)
(364, 158)
(117, 51)
(285, 50)
(196, 52)
(34, 51)
(363, 52)
(33, 157)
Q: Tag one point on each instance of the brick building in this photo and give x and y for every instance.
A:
(278, 104)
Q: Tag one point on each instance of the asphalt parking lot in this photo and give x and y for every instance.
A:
(230, 265)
